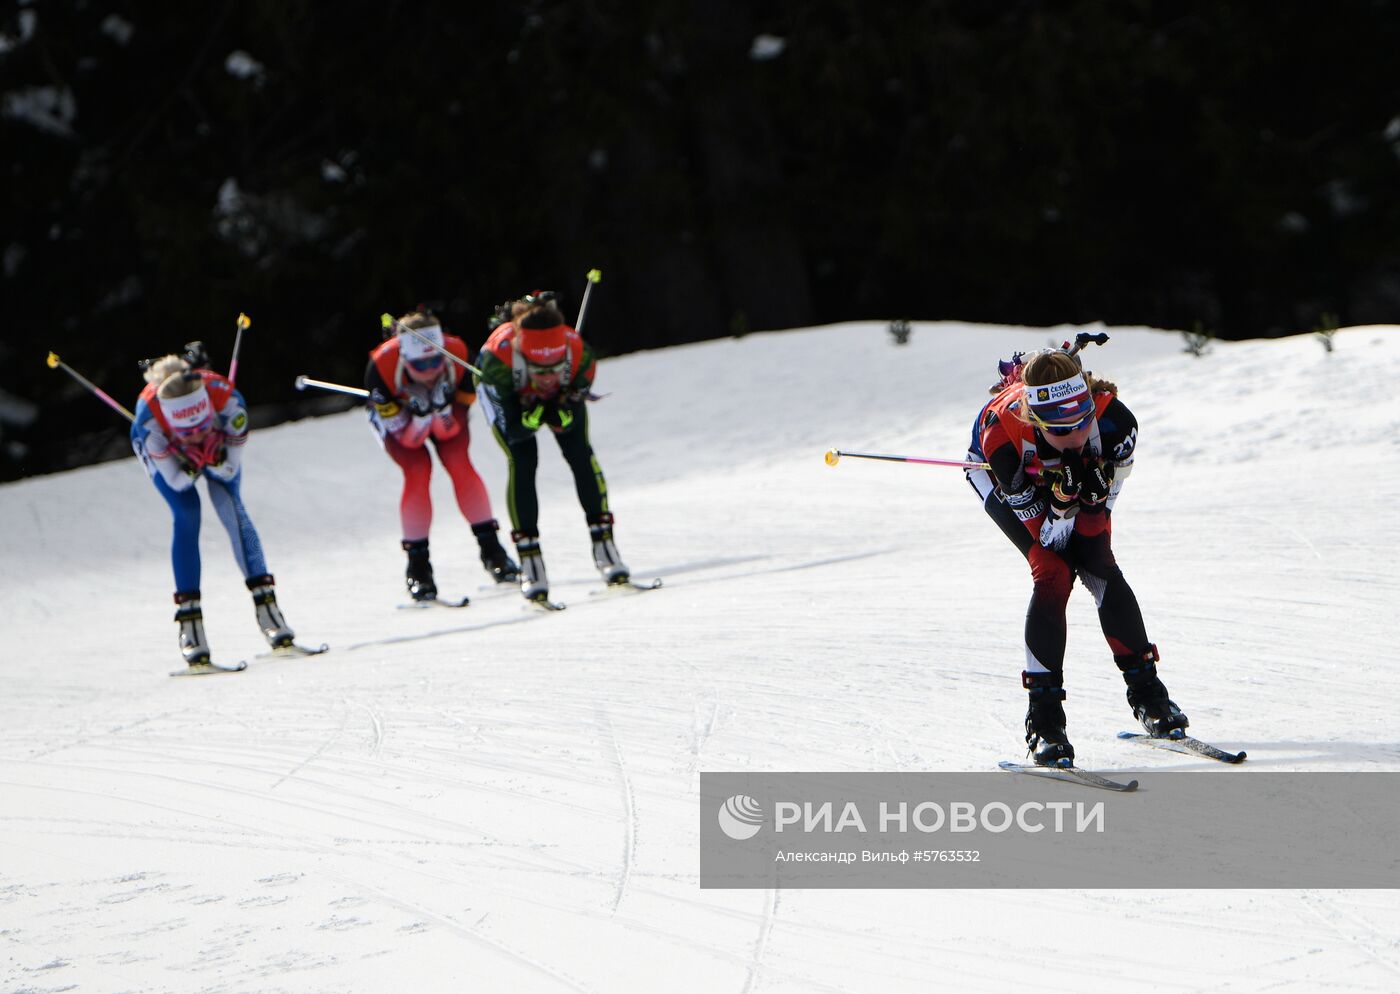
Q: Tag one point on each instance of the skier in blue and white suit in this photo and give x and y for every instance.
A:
(192, 424)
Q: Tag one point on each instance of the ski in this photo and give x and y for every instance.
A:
(544, 603)
(627, 587)
(210, 668)
(435, 602)
(293, 651)
(1073, 774)
(1187, 746)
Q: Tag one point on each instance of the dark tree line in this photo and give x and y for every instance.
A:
(728, 165)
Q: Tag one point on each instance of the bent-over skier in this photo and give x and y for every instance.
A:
(1060, 445)
(192, 424)
(536, 371)
(418, 397)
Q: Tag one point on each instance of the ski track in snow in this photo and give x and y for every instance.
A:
(629, 806)
(497, 798)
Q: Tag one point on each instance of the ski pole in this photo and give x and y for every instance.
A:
(833, 456)
(594, 276)
(302, 382)
(389, 321)
(243, 322)
(56, 363)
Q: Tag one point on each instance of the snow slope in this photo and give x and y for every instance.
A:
(494, 799)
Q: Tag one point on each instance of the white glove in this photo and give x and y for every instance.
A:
(228, 469)
(1055, 531)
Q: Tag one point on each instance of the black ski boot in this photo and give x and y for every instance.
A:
(274, 627)
(534, 582)
(1159, 715)
(1045, 720)
(605, 555)
(190, 617)
(493, 555)
(419, 575)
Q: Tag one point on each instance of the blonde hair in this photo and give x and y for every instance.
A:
(178, 385)
(166, 366)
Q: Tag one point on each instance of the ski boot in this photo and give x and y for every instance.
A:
(419, 575)
(493, 555)
(534, 583)
(274, 627)
(1159, 715)
(1045, 720)
(193, 645)
(605, 555)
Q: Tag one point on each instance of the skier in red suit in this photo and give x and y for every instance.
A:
(417, 400)
(1060, 444)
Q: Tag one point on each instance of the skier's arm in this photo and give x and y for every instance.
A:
(233, 426)
(1026, 500)
(154, 450)
(582, 382)
(391, 415)
(494, 383)
(1119, 436)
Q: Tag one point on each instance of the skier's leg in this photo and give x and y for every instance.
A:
(184, 537)
(228, 504)
(474, 502)
(184, 558)
(1051, 579)
(1120, 617)
(592, 490)
(247, 549)
(522, 503)
(589, 483)
(1043, 677)
(455, 454)
(1050, 575)
(415, 503)
(522, 459)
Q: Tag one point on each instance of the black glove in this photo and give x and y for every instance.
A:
(441, 398)
(1098, 481)
(1066, 483)
(420, 402)
(558, 415)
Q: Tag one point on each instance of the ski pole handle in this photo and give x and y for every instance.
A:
(833, 456)
(56, 363)
(594, 276)
(302, 382)
(1084, 338)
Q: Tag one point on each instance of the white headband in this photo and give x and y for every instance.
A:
(189, 411)
(1057, 392)
(411, 346)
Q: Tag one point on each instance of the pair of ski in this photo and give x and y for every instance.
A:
(1183, 744)
(211, 668)
(621, 587)
(542, 603)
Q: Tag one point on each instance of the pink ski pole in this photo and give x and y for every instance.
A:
(833, 456)
(56, 363)
(243, 322)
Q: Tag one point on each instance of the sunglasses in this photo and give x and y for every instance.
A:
(427, 363)
(1060, 430)
(194, 430)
